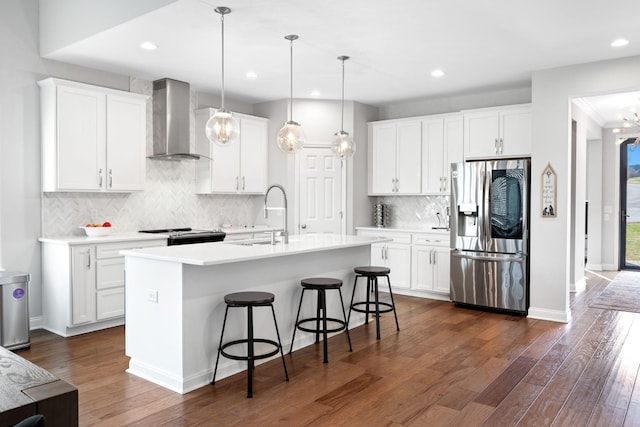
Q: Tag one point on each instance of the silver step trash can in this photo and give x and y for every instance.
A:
(14, 310)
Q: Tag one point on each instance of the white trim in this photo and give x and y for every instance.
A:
(594, 267)
(551, 315)
(36, 322)
(609, 267)
(578, 286)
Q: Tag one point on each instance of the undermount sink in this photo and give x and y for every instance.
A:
(250, 242)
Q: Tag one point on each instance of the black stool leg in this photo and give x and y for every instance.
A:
(295, 325)
(275, 322)
(353, 294)
(224, 322)
(250, 352)
(346, 322)
(393, 303)
(375, 284)
(318, 309)
(366, 314)
(322, 302)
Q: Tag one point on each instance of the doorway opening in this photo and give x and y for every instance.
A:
(629, 205)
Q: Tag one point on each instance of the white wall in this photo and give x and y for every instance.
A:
(610, 200)
(595, 160)
(552, 91)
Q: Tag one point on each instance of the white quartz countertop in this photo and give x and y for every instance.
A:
(111, 238)
(235, 251)
(406, 230)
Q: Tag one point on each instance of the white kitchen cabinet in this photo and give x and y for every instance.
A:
(83, 285)
(442, 144)
(395, 255)
(498, 132)
(395, 159)
(430, 263)
(93, 138)
(238, 168)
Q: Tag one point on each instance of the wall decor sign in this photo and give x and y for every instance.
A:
(549, 189)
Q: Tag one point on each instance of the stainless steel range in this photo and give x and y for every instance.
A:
(187, 235)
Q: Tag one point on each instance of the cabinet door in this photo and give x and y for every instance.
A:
(83, 286)
(515, 131)
(409, 158)
(398, 259)
(432, 155)
(80, 141)
(253, 155)
(110, 273)
(377, 254)
(454, 148)
(481, 132)
(383, 173)
(422, 268)
(110, 303)
(225, 169)
(126, 143)
(441, 269)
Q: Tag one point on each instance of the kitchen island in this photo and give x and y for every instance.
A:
(175, 299)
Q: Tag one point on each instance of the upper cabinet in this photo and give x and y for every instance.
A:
(442, 144)
(238, 168)
(395, 157)
(498, 132)
(93, 138)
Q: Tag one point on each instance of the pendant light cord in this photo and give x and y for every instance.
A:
(291, 81)
(222, 96)
(342, 116)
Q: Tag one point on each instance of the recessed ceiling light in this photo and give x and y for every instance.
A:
(619, 42)
(251, 75)
(315, 93)
(148, 46)
(437, 73)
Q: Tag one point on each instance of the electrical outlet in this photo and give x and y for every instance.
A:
(152, 295)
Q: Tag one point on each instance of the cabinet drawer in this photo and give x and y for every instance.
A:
(110, 303)
(397, 237)
(430, 239)
(111, 250)
(110, 273)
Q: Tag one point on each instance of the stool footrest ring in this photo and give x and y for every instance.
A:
(255, 356)
(387, 307)
(316, 319)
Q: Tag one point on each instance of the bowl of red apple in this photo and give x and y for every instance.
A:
(94, 229)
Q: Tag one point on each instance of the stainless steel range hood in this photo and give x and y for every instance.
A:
(171, 120)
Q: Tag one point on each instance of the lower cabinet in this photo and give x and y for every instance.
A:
(419, 262)
(83, 285)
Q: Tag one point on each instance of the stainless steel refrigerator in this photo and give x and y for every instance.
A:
(490, 234)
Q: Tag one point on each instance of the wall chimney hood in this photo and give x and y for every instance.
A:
(171, 108)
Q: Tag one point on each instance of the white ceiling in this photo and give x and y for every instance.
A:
(394, 46)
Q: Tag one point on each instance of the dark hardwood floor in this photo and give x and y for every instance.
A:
(447, 366)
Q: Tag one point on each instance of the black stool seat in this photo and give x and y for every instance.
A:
(372, 270)
(241, 299)
(249, 300)
(375, 307)
(321, 285)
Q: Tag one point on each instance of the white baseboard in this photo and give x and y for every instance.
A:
(35, 322)
(551, 315)
(579, 286)
(594, 267)
(609, 267)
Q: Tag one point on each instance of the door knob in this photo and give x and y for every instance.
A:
(303, 226)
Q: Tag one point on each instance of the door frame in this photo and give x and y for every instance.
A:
(622, 219)
(343, 188)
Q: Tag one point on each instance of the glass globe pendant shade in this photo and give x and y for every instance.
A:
(343, 145)
(290, 137)
(222, 128)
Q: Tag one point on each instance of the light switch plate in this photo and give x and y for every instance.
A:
(152, 295)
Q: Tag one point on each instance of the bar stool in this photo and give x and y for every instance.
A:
(249, 300)
(321, 285)
(372, 273)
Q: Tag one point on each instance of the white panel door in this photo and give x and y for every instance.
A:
(320, 196)
(83, 289)
(80, 139)
(126, 143)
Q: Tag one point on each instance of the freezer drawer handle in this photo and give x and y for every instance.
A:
(501, 258)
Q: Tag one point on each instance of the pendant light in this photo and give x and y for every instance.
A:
(222, 128)
(343, 145)
(290, 137)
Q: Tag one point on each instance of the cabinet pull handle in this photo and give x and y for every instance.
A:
(110, 178)
(243, 183)
(88, 259)
(237, 183)
(501, 145)
(100, 177)
(495, 145)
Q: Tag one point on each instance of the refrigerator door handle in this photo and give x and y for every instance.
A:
(485, 256)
